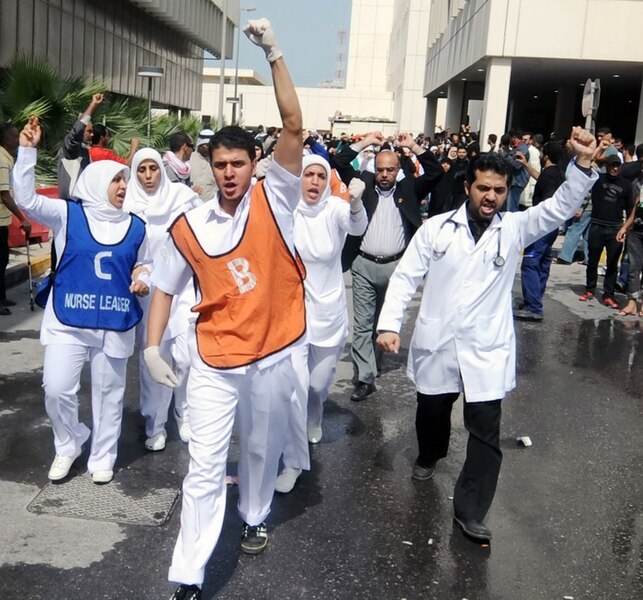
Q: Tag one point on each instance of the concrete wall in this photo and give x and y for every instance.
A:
(368, 47)
(318, 104)
(407, 55)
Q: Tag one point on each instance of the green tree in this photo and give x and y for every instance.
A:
(29, 85)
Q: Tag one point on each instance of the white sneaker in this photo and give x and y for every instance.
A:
(102, 476)
(157, 442)
(184, 431)
(286, 481)
(60, 467)
(314, 434)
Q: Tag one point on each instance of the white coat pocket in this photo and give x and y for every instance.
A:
(427, 334)
(490, 332)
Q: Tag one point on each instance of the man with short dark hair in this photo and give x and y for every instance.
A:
(73, 156)
(536, 259)
(8, 146)
(177, 158)
(99, 149)
(464, 338)
(239, 248)
(393, 211)
(612, 198)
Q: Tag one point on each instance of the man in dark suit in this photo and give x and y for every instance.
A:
(393, 210)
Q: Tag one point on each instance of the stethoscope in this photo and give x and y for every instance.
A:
(498, 261)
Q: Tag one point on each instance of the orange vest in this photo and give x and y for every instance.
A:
(337, 186)
(252, 297)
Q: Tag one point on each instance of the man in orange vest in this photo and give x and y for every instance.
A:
(250, 314)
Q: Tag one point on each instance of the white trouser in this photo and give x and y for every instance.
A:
(61, 381)
(260, 399)
(315, 368)
(181, 360)
(322, 363)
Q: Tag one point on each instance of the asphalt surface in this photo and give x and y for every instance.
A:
(567, 518)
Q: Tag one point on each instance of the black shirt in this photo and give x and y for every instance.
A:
(551, 178)
(611, 197)
(477, 227)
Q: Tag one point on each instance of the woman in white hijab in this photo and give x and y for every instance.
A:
(322, 222)
(158, 201)
(92, 310)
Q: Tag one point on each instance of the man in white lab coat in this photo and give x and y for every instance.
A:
(464, 336)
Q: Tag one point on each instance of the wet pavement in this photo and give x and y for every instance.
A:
(567, 518)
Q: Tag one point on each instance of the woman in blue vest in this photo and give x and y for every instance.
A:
(158, 201)
(92, 310)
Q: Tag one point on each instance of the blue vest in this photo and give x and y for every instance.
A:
(91, 288)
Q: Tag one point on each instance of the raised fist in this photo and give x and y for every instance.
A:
(261, 33)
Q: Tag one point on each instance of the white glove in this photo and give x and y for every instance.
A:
(261, 33)
(356, 188)
(160, 371)
(262, 167)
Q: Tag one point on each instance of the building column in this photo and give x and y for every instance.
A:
(455, 97)
(638, 137)
(496, 98)
(564, 115)
(430, 116)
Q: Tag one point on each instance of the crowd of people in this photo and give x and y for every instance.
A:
(222, 262)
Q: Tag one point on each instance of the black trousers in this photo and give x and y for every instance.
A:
(4, 259)
(476, 485)
(599, 237)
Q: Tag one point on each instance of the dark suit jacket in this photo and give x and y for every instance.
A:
(408, 194)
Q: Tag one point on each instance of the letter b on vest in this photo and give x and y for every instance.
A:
(240, 269)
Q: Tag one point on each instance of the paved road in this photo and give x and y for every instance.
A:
(567, 518)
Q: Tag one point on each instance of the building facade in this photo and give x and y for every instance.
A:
(108, 40)
(525, 64)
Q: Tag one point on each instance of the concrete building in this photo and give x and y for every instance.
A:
(384, 76)
(108, 40)
(525, 64)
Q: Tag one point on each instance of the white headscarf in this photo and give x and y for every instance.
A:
(91, 189)
(163, 200)
(312, 209)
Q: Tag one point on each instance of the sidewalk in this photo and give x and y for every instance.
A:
(18, 270)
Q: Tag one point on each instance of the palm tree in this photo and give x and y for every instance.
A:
(29, 85)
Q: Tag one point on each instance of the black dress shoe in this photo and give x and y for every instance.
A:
(422, 473)
(473, 529)
(361, 391)
(7, 302)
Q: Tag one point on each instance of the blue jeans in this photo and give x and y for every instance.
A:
(513, 202)
(575, 232)
(534, 272)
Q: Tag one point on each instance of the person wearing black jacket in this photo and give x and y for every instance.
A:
(393, 211)
(73, 157)
(611, 198)
(536, 260)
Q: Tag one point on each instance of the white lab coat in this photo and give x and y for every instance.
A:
(464, 334)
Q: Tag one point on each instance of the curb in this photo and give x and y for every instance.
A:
(19, 273)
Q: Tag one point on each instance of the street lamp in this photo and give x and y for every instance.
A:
(151, 73)
(236, 66)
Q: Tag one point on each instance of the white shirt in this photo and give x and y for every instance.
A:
(53, 214)
(385, 235)
(320, 233)
(464, 334)
(201, 175)
(218, 233)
